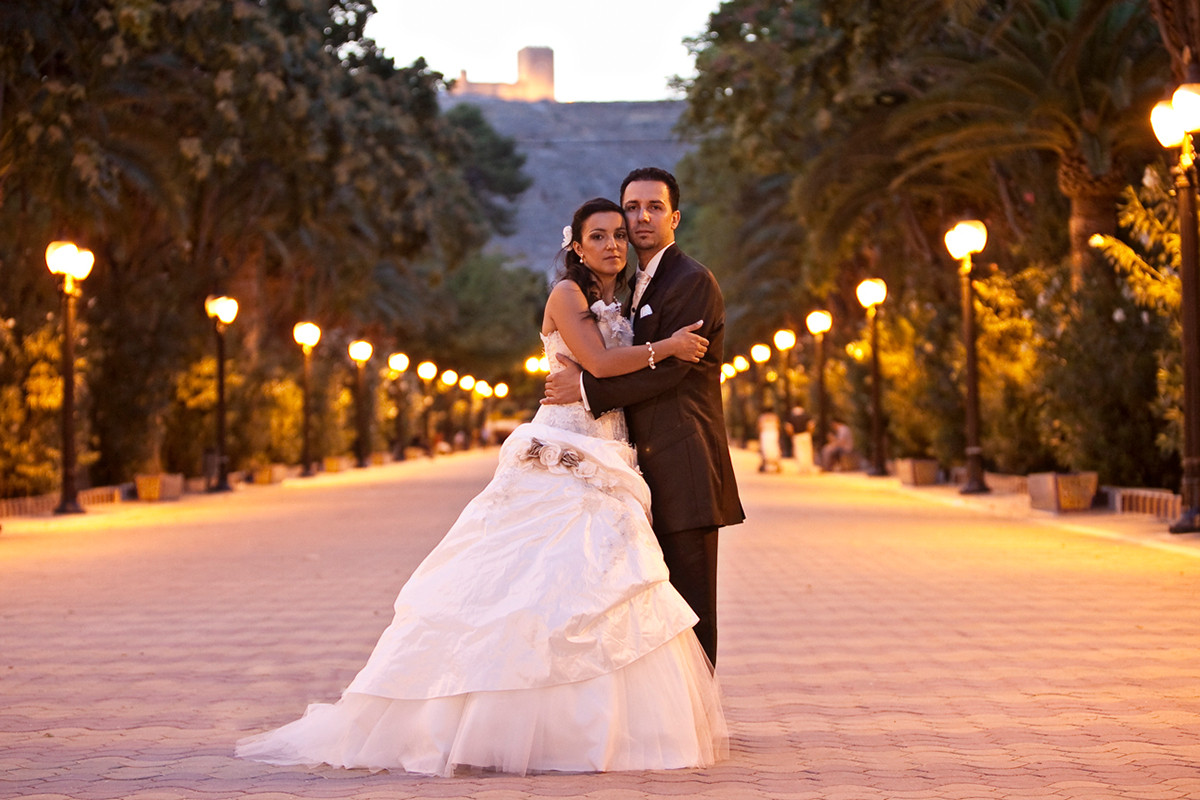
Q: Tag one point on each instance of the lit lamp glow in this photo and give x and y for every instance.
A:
(962, 241)
(74, 265)
(501, 390)
(871, 293)
(306, 334)
(222, 311)
(397, 362)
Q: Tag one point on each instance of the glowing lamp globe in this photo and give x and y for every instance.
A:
(360, 351)
(306, 334)
(819, 322)
(966, 238)
(871, 292)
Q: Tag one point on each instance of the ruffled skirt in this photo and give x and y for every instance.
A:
(541, 634)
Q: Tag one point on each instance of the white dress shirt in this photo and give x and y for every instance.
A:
(649, 270)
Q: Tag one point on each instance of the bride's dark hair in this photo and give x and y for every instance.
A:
(572, 266)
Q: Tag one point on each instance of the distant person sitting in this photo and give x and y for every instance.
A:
(839, 448)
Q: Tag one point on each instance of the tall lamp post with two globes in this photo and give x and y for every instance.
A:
(74, 265)
(223, 311)
(871, 293)
(963, 240)
(1174, 122)
(306, 334)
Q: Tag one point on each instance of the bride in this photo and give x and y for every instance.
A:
(541, 634)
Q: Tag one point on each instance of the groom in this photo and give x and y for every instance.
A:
(673, 407)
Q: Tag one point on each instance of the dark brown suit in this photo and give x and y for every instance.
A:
(676, 421)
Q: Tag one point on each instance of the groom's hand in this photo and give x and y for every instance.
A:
(562, 386)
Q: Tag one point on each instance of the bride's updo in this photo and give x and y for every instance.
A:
(572, 266)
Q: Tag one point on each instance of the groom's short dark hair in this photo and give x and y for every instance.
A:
(654, 174)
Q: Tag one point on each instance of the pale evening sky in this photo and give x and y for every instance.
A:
(603, 51)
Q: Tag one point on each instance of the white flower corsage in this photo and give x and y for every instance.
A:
(566, 235)
(559, 460)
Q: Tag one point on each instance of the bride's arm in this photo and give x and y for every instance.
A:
(567, 311)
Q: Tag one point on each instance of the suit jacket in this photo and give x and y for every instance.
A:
(674, 411)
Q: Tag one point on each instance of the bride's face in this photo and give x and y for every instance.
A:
(604, 243)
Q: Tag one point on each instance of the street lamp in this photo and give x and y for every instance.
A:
(427, 371)
(962, 240)
(785, 340)
(818, 324)
(74, 264)
(306, 334)
(871, 293)
(760, 354)
(360, 353)
(222, 311)
(1174, 122)
(397, 369)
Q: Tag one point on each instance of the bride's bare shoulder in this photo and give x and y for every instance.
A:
(566, 303)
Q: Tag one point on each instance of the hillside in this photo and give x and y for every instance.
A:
(575, 151)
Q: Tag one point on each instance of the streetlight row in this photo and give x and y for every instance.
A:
(963, 240)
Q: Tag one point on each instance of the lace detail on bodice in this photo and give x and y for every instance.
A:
(617, 332)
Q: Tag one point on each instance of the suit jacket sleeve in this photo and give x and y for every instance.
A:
(691, 295)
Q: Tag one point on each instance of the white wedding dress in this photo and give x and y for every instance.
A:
(541, 634)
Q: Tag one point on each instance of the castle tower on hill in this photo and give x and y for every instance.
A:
(535, 79)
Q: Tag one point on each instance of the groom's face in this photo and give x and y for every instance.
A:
(650, 217)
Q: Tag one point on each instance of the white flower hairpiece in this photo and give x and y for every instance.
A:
(566, 235)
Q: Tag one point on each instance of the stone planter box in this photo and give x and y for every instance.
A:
(1063, 491)
(917, 471)
(159, 486)
(272, 473)
(337, 463)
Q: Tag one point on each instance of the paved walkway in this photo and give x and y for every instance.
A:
(877, 642)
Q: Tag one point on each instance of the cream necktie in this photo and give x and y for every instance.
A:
(639, 287)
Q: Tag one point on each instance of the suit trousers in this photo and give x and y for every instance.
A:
(691, 557)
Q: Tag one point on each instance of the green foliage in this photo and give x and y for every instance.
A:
(30, 409)
(840, 139)
(1148, 259)
(263, 149)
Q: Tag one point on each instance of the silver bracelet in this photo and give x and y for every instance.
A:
(650, 347)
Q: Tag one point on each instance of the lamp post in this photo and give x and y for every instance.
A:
(360, 353)
(306, 334)
(427, 371)
(397, 369)
(785, 340)
(962, 240)
(740, 365)
(1174, 122)
(871, 293)
(818, 324)
(222, 311)
(74, 264)
(467, 384)
(760, 354)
